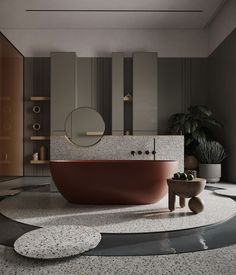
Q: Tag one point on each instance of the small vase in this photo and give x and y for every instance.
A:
(42, 152)
(190, 162)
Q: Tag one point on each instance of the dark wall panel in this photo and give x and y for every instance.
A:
(222, 97)
(182, 82)
(36, 83)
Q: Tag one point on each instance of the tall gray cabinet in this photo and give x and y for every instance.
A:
(145, 93)
(63, 89)
(117, 94)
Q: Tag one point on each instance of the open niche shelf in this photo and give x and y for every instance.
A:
(40, 138)
(40, 98)
(39, 161)
(40, 129)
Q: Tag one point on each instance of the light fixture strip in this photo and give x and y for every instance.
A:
(130, 11)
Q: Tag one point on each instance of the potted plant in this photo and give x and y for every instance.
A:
(210, 155)
(196, 125)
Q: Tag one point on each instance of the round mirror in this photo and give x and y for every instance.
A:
(84, 127)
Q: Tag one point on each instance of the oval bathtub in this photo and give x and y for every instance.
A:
(112, 181)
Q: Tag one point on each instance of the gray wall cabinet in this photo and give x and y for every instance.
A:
(145, 93)
(117, 94)
(63, 89)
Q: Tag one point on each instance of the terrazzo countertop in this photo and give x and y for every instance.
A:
(46, 209)
(219, 261)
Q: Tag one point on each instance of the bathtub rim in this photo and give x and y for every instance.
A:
(110, 161)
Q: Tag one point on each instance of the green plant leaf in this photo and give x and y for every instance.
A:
(200, 110)
(212, 122)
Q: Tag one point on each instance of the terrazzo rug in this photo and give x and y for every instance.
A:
(47, 209)
(57, 241)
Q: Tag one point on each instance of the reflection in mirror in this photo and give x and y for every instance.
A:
(84, 126)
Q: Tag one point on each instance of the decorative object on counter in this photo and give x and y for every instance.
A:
(196, 125)
(210, 155)
(128, 98)
(42, 152)
(36, 126)
(35, 156)
(127, 133)
(190, 162)
(185, 188)
(193, 172)
(56, 242)
(36, 109)
(183, 176)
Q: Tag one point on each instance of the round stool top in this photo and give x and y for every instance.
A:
(57, 241)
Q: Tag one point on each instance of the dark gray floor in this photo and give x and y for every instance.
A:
(137, 244)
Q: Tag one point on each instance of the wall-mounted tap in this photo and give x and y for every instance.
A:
(154, 149)
(147, 152)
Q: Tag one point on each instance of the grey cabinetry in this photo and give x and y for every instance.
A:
(85, 82)
(117, 93)
(63, 88)
(145, 93)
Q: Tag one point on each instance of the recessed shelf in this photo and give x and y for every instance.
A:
(39, 161)
(40, 137)
(94, 133)
(40, 98)
(126, 100)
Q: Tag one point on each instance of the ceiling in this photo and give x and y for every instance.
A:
(144, 14)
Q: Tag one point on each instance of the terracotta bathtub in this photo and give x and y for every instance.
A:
(112, 181)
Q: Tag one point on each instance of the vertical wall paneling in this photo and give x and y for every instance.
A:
(63, 88)
(145, 93)
(128, 88)
(36, 83)
(84, 82)
(94, 83)
(117, 94)
(104, 91)
(186, 83)
(222, 99)
(169, 91)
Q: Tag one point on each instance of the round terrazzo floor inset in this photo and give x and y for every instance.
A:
(57, 241)
(50, 208)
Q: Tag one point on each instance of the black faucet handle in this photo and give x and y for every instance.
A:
(140, 152)
(154, 152)
(147, 152)
(132, 153)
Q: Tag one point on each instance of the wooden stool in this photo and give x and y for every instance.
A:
(186, 189)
